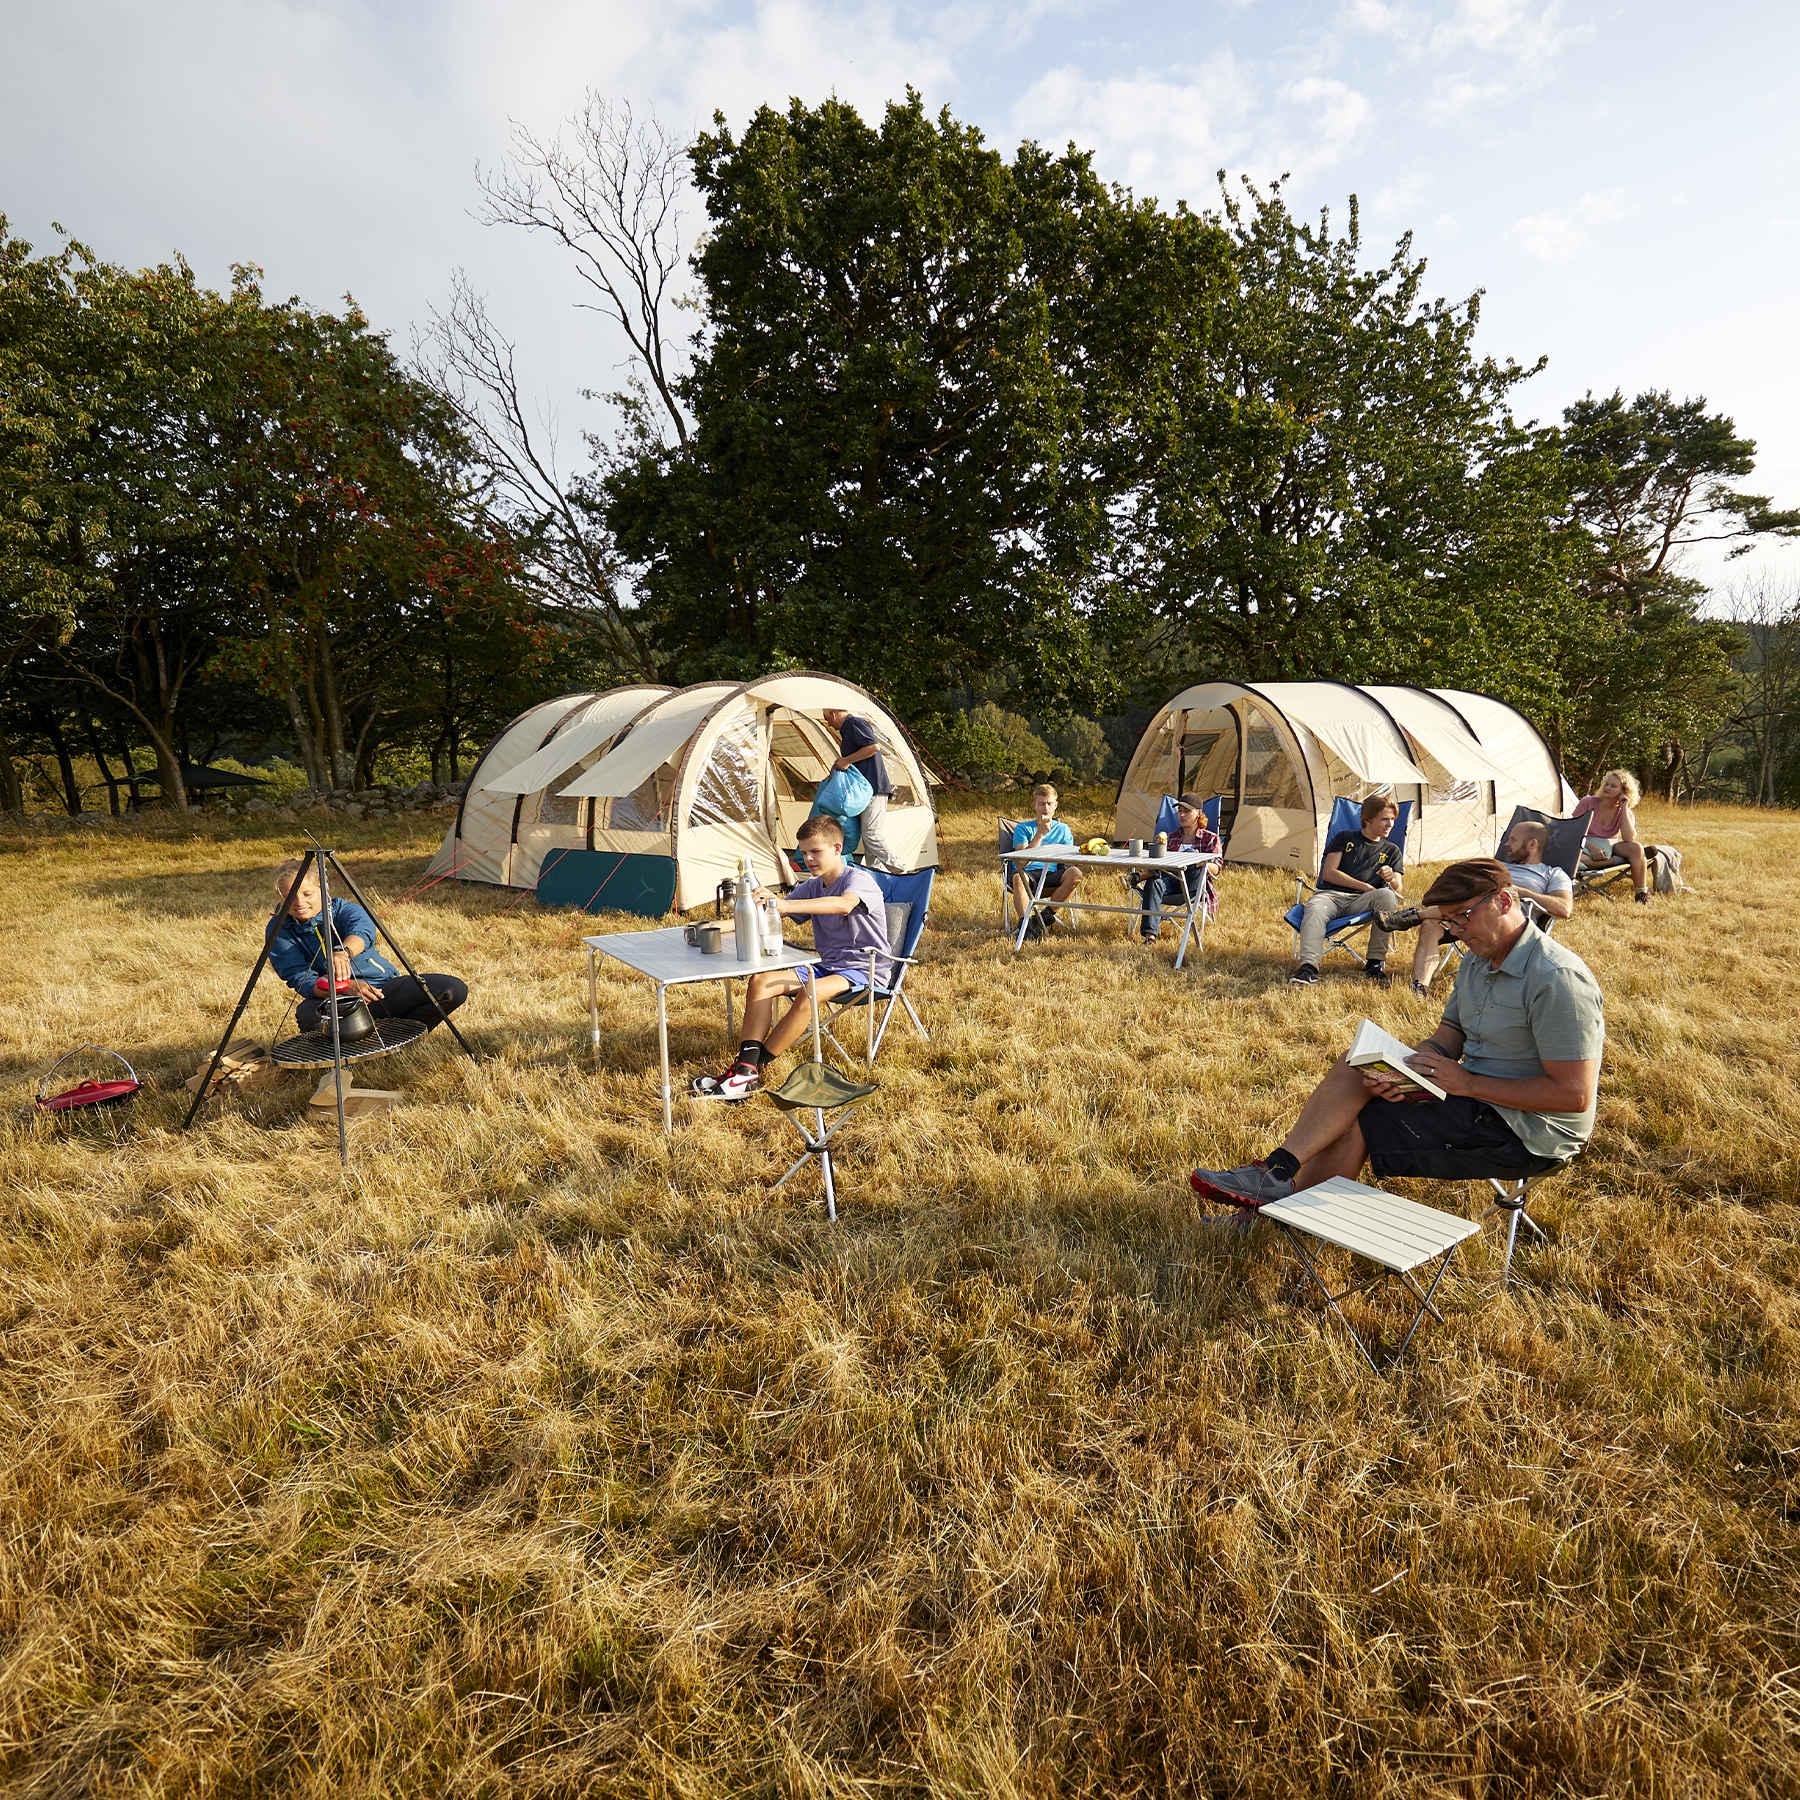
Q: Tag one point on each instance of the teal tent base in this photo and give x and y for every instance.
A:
(607, 881)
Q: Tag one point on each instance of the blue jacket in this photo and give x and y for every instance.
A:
(297, 950)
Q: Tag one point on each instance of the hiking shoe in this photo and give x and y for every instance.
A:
(1421, 989)
(1642, 896)
(1034, 929)
(1407, 918)
(1304, 976)
(1252, 1185)
(738, 1082)
(1375, 972)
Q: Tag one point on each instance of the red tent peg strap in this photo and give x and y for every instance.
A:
(90, 1092)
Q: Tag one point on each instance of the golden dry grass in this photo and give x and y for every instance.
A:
(542, 1458)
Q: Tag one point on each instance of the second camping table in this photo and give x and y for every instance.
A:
(1186, 863)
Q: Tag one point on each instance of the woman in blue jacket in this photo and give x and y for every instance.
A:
(297, 952)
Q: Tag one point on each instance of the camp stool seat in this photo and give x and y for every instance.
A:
(1346, 815)
(1397, 1236)
(817, 1088)
(908, 903)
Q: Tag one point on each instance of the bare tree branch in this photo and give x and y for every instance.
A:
(609, 190)
(466, 356)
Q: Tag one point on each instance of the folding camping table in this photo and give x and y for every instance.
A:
(1396, 1235)
(668, 960)
(1188, 864)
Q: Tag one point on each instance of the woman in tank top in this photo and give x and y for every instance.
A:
(1612, 827)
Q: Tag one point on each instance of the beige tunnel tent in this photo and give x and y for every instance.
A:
(706, 774)
(1278, 753)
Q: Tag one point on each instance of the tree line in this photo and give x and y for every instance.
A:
(1015, 448)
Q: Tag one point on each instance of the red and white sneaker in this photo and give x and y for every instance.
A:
(738, 1082)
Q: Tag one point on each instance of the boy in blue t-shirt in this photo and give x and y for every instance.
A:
(848, 911)
(1043, 827)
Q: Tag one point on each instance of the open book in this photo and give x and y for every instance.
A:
(1374, 1048)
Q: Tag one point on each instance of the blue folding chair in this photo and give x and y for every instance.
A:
(908, 900)
(1346, 815)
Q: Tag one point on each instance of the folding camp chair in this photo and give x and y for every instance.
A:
(1346, 815)
(908, 899)
(1168, 820)
(817, 1088)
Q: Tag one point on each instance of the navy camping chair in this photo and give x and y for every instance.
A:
(1562, 850)
(908, 899)
(1346, 815)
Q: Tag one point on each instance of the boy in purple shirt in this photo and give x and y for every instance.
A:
(849, 919)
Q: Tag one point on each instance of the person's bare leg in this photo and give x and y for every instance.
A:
(1021, 893)
(1633, 853)
(1344, 1155)
(763, 990)
(798, 1017)
(1328, 1115)
(1431, 935)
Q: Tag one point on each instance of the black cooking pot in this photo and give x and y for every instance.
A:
(355, 1021)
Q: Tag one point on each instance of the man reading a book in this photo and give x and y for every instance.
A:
(1517, 1054)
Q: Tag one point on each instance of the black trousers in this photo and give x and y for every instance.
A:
(401, 998)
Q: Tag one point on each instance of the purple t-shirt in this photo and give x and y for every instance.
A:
(844, 940)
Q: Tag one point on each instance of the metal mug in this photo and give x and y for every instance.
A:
(711, 940)
(1137, 846)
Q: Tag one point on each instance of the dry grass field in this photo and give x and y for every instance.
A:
(543, 1458)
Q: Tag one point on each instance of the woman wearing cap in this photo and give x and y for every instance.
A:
(1164, 887)
(1517, 1054)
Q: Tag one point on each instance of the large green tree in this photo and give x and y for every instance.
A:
(1636, 669)
(1339, 488)
(909, 407)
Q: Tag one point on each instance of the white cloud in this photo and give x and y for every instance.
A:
(1378, 17)
(1167, 133)
(1560, 235)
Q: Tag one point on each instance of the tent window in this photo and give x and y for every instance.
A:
(555, 809)
(1270, 778)
(729, 791)
(647, 808)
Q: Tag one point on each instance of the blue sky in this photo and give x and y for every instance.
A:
(1623, 180)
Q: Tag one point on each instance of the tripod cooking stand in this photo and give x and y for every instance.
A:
(316, 1048)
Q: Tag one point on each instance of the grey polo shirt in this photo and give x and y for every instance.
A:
(1541, 1005)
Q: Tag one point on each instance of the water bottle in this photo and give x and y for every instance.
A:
(772, 945)
(743, 915)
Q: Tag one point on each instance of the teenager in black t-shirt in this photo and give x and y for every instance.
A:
(1361, 873)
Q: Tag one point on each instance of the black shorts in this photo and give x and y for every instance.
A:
(1457, 1139)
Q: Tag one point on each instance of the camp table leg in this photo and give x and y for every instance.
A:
(1187, 922)
(593, 1010)
(662, 1046)
(1033, 904)
(730, 1016)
